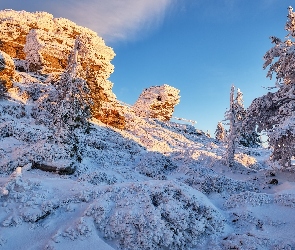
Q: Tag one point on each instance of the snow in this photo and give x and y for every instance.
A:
(154, 185)
(166, 187)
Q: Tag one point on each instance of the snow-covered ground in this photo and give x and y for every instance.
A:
(155, 185)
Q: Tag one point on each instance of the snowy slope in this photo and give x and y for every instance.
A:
(155, 185)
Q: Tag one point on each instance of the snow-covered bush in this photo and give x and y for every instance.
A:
(99, 178)
(154, 215)
(27, 194)
(12, 110)
(184, 129)
(155, 165)
(252, 241)
(251, 198)
(31, 91)
(216, 183)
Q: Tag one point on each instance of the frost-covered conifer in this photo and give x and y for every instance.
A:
(232, 135)
(239, 106)
(2, 91)
(274, 112)
(72, 106)
(34, 59)
(237, 134)
(247, 138)
(250, 139)
(220, 132)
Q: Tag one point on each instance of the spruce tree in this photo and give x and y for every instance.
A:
(220, 132)
(274, 112)
(65, 107)
(232, 135)
(72, 105)
(237, 133)
(34, 59)
(247, 138)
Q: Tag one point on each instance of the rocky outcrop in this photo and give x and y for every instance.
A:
(60, 168)
(157, 102)
(7, 72)
(56, 37)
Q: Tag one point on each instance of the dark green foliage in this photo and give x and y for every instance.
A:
(250, 139)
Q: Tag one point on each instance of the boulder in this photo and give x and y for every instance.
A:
(157, 102)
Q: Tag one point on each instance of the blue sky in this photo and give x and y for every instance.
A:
(201, 47)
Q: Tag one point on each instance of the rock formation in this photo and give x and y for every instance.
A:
(7, 71)
(56, 37)
(157, 102)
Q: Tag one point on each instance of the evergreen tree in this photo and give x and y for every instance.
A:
(247, 138)
(72, 105)
(232, 135)
(220, 132)
(237, 134)
(65, 107)
(34, 59)
(250, 139)
(274, 112)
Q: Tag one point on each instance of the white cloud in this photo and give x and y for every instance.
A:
(112, 19)
(115, 19)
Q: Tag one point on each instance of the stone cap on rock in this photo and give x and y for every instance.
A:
(157, 102)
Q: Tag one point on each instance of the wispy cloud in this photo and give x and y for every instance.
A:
(112, 19)
(120, 19)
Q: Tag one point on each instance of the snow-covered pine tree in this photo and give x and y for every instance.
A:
(239, 106)
(72, 107)
(232, 135)
(2, 91)
(237, 134)
(34, 59)
(220, 132)
(250, 139)
(247, 138)
(42, 112)
(274, 112)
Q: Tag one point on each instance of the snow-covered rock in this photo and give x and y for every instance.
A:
(7, 72)
(157, 102)
(41, 37)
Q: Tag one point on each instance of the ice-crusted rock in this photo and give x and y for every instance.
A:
(157, 102)
(56, 37)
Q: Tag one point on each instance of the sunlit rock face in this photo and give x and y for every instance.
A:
(7, 71)
(157, 102)
(56, 38)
